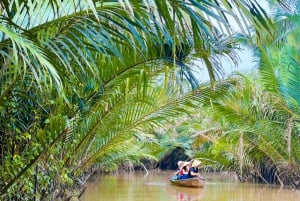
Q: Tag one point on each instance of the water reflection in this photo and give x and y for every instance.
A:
(187, 194)
(156, 187)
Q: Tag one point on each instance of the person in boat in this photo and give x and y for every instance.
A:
(185, 170)
(179, 171)
(193, 170)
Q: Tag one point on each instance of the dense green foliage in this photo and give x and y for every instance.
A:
(84, 83)
(258, 117)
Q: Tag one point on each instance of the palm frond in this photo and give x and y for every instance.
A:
(268, 72)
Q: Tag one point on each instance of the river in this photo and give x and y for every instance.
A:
(154, 186)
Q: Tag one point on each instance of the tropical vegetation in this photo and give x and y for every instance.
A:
(85, 83)
(258, 132)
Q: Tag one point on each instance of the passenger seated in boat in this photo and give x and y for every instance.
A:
(193, 170)
(185, 170)
(179, 171)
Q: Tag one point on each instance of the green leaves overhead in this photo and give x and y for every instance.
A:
(105, 25)
(81, 78)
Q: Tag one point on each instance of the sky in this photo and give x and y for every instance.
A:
(246, 63)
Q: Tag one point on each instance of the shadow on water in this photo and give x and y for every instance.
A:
(155, 186)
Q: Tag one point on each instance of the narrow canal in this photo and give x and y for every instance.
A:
(155, 186)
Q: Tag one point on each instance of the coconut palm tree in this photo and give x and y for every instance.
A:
(69, 69)
(259, 116)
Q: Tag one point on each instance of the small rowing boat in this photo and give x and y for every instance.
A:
(190, 182)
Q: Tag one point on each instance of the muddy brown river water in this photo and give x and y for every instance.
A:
(155, 186)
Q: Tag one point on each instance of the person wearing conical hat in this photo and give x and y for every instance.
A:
(179, 171)
(194, 171)
(185, 170)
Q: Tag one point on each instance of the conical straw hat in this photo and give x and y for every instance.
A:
(180, 164)
(196, 163)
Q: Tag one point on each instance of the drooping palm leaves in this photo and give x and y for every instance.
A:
(254, 135)
(259, 129)
(260, 117)
(95, 54)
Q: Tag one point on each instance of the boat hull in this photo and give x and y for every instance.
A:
(191, 182)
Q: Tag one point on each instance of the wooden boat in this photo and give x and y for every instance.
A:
(191, 182)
